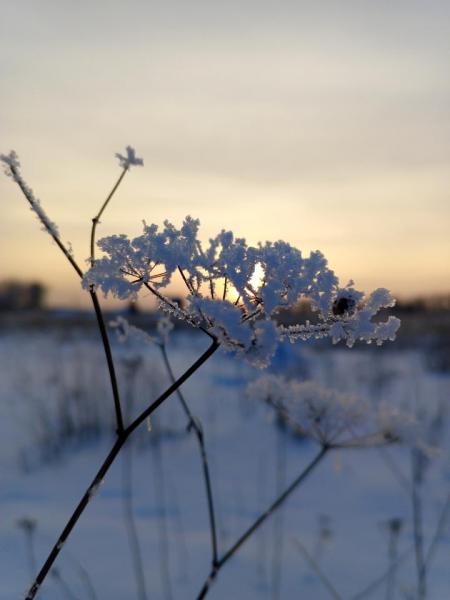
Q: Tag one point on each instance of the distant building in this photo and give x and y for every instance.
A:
(15, 295)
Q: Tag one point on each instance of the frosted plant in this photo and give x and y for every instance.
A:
(130, 334)
(399, 424)
(311, 410)
(350, 318)
(127, 332)
(130, 159)
(340, 419)
(234, 291)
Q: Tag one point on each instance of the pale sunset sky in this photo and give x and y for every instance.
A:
(326, 124)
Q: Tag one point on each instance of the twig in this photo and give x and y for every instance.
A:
(96, 219)
(173, 388)
(195, 425)
(277, 549)
(315, 567)
(127, 500)
(395, 470)
(437, 534)
(109, 361)
(29, 196)
(98, 313)
(121, 439)
(91, 490)
(259, 521)
(55, 573)
(380, 580)
(418, 524)
(162, 520)
(84, 576)
(395, 526)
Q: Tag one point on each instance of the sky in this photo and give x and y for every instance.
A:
(326, 124)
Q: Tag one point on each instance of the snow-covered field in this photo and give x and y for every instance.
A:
(56, 421)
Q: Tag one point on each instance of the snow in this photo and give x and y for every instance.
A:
(356, 490)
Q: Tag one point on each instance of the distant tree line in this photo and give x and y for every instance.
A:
(16, 295)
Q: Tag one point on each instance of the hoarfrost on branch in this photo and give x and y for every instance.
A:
(234, 290)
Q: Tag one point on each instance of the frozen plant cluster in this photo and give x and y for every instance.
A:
(234, 290)
(339, 419)
(309, 409)
(129, 333)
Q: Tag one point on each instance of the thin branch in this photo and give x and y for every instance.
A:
(418, 525)
(89, 493)
(318, 571)
(438, 533)
(55, 573)
(278, 522)
(259, 521)
(128, 500)
(395, 526)
(225, 283)
(396, 471)
(380, 580)
(26, 192)
(96, 219)
(161, 502)
(98, 313)
(91, 490)
(84, 576)
(109, 361)
(187, 283)
(195, 425)
(196, 365)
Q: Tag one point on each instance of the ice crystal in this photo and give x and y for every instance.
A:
(235, 291)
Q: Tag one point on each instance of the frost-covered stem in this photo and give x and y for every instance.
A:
(75, 516)
(171, 306)
(109, 361)
(160, 297)
(417, 525)
(26, 192)
(186, 282)
(259, 521)
(121, 439)
(98, 312)
(96, 219)
(195, 425)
